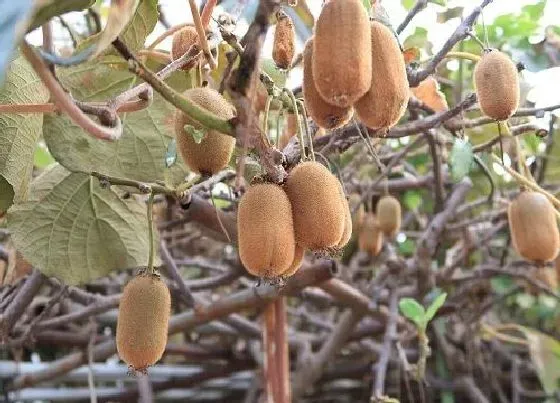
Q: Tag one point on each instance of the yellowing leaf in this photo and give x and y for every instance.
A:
(428, 92)
(411, 54)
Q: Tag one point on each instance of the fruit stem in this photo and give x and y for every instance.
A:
(299, 131)
(266, 113)
(278, 118)
(524, 169)
(203, 42)
(307, 131)
(150, 213)
(462, 55)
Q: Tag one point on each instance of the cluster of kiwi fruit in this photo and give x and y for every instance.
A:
(374, 226)
(143, 320)
(353, 64)
(277, 224)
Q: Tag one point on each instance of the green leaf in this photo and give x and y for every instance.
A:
(74, 229)
(139, 154)
(133, 28)
(439, 2)
(197, 134)
(408, 4)
(448, 14)
(18, 132)
(120, 13)
(418, 39)
(434, 306)
(53, 8)
(461, 159)
(367, 4)
(532, 141)
(412, 310)
(42, 157)
(545, 354)
(278, 76)
(412, 199)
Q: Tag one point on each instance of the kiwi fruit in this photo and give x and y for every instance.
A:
(370, 237)
(388, 211)
(342, 52)
(533, 228)
(143, 319)
(386, 101)
(428, 92)
(347, 232)
(182, 42)
(497, 85)
(356, 206)
(318, 210)
(283, 48)
(325, 115)
(299, 254)
(214, 151)
(266, 230)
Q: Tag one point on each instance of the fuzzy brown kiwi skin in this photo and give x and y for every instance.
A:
(299, 254)
(142, 323)
(370, 237)
(533, 227)
(284, 49)
(323, 114)
(266, 231)
(342, 52)
(182, 42)
(496, 83)
(347, 233)
(388, 211)
(213, 153)
(317, 207)
(386, 101)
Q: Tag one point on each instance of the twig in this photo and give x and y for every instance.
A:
(421, 262)
(282, 351)
(23, 298)
(173, 272)
(415, 77)
(205, 118)
(388, 339)
(271, 376)
(202, 41)
(65, 103)
(314, 366)
(436, 162)
(419, 6)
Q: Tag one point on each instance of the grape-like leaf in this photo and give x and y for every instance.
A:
(74, 229)
(18, 132)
